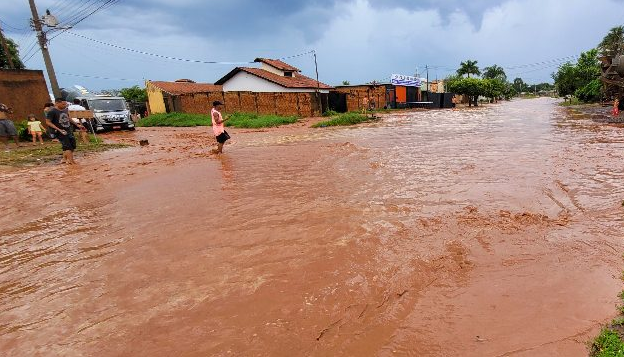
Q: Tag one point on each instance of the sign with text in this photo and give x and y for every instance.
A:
(401, 80)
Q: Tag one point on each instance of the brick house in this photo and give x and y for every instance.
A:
(165, 97)
(273, 76)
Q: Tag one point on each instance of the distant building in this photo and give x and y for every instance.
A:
(164, 97)
(273, 76)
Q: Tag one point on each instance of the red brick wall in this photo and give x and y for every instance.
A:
(25, 91)
(300, 104)
(356, 95)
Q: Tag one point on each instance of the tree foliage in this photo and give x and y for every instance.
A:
(13, 52)
(134, 94)
(468, 67)
(613, 42)
(495, 72)
(580, 78)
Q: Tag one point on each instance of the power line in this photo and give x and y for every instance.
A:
(98, 77)
(104, 6)
(154, 54)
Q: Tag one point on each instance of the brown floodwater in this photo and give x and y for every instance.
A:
(494, 231)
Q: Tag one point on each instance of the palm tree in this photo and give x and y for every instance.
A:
(469, 67)
(613, 42)
(495, 71)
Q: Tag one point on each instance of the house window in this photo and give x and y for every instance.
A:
(288, 74)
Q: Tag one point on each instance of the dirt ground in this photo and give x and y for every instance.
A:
(494, 231)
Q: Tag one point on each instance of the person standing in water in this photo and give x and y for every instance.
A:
(616, 107)
(218, 127)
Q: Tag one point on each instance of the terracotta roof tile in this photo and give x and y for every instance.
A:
(299, 81)
(277, 64)
(177, 88)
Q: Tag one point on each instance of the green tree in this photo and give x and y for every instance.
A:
(570, 78)
(591, 92)
(13, 52)
(134, 94)
(565, 79)
(469, 67)
(470, 87)
(520, 86)
(345, 83)
(495, 71)
(493, 88)
(613, 42)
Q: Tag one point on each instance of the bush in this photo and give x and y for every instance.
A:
(252, 120)
(330, 113)
(22, 130)
(343, 120)
(590, 92)
(176, 120)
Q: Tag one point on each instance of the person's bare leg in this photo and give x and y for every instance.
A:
(70, 157)
(64, 160)
(40, 135)
(34, 136)
(83, 137)
(5, 141)
(16, 139)
(220, 148)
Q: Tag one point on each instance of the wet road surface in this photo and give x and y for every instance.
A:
(495, 231)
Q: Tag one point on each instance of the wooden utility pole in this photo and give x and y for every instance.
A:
(43, 43)
(5, 47)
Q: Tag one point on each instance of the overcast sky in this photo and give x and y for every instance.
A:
(358, 41)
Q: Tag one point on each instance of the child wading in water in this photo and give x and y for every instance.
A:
(217, 126)
(616, 108)
(35, 129)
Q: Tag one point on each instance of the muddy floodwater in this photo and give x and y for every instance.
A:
(496, 231)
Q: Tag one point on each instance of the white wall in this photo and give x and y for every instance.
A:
(243, 81)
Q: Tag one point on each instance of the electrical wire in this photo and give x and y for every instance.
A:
(154, 54)
(105, 5)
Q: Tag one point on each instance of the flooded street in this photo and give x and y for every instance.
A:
(494, 231)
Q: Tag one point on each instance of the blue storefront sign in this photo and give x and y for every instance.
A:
(407, 81)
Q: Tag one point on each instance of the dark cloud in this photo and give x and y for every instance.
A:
(240, 19)
(473, 9)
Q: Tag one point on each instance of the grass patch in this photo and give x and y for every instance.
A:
(573, 101)
(251, 120)
(176, 120)
(236, 120)
(50, 151)
(343, 120)
(607, 344)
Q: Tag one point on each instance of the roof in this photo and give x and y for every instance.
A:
(299, 81)
(177, 88)
(278, 64)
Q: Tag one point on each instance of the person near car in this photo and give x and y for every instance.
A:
(82, 121)
(58, 119)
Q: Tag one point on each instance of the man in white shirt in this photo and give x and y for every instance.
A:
(83, 132)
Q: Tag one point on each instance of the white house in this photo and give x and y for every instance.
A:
(273, 76)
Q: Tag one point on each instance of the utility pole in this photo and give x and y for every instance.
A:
(427, 68)
(7, 54)
(43, 43)
(318, 86)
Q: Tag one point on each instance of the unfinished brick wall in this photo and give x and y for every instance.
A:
(299, 104)
(200, 103)
(356, 95)
(25, 91)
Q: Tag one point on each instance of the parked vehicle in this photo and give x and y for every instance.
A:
(109, 112)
